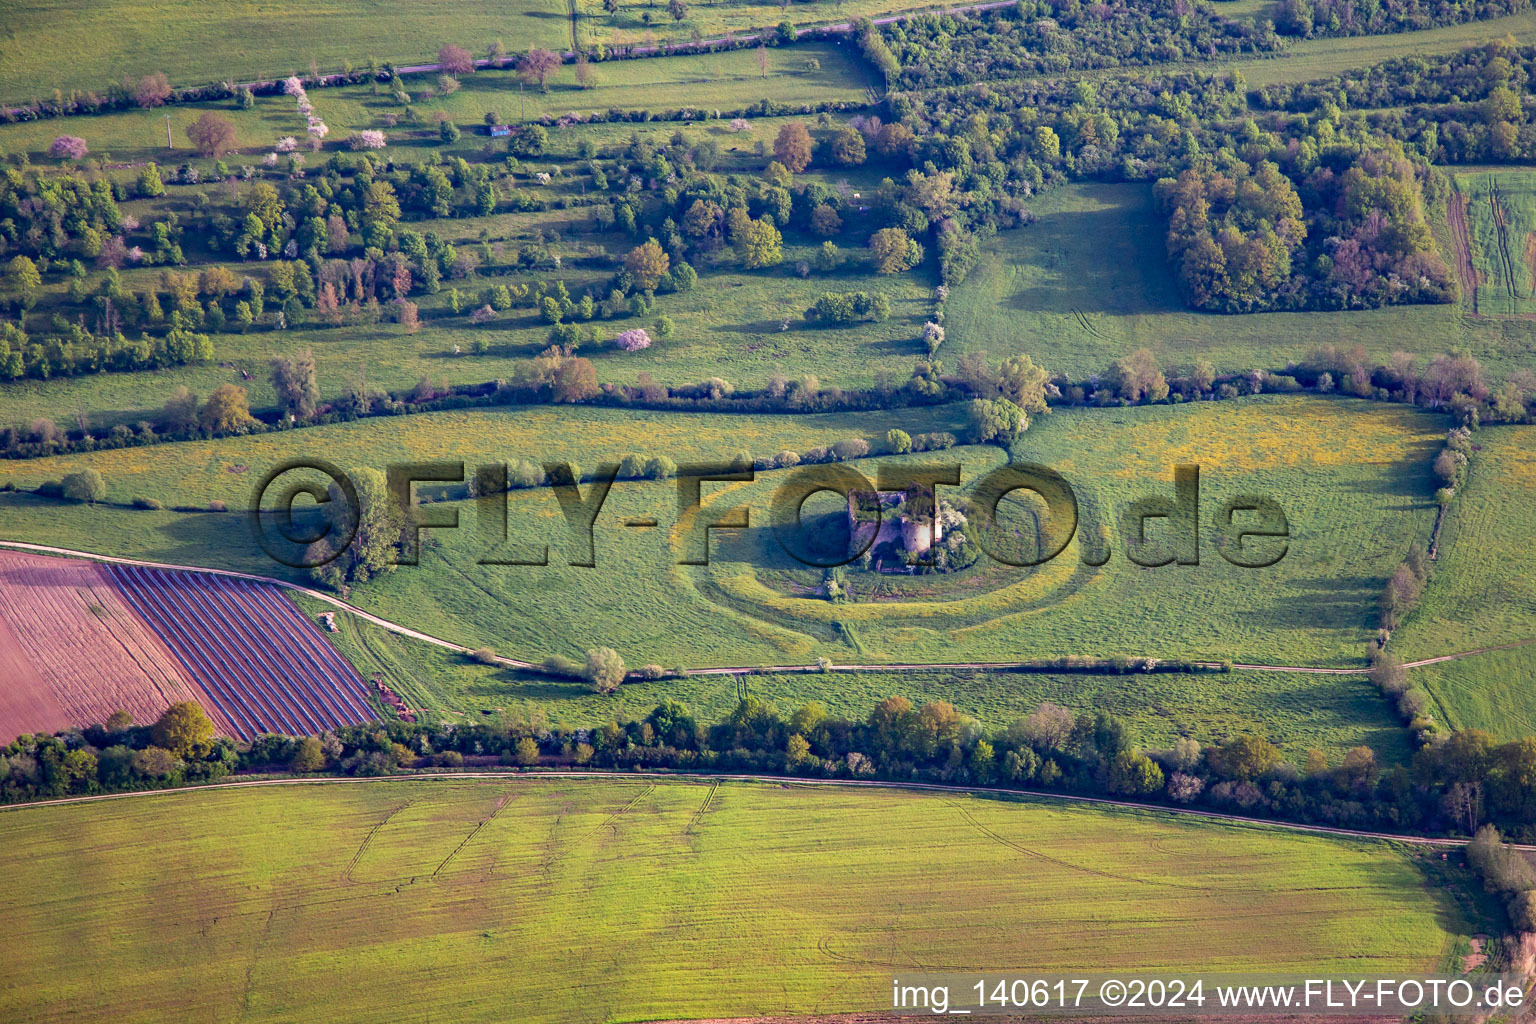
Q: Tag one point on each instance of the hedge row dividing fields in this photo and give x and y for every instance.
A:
(265, 665)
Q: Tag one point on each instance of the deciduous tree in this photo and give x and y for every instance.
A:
(212, 134)
(185, 730)
(792, 147)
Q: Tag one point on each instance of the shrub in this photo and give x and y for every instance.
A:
(558, 666)
(604, 669)
(851, 448)
(86, 485)
(367, 138)
(484, 655)
(148, 504)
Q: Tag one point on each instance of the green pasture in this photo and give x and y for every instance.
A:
(1489, 691)
(808, 73)
(591, 900)
(1307, 59)
(194, 43)
(1297, 711)
(1482, 587)
(195, 473)
(1090, 282)
(1352, 477)
(1501, 223)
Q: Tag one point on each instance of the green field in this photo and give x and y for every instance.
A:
(1308, 59)
(1353, 478)
(1296, 711)
(244, 40)
(1489, 691)
(598, 901)
(1480, 594)
(730, 327)
(1481, 589)
(1501, 222)
(1098, 251)
(195, 473)
(810, 73)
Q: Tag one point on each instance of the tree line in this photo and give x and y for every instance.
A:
(1455, 785)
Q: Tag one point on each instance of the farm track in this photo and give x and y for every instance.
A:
(522, 778)
(1456, 215)
(728, 670)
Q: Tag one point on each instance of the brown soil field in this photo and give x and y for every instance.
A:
(72, 651)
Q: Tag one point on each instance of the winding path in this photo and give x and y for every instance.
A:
(789, 780)
(726, 670)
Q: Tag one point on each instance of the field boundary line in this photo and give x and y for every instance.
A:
(790, 781)
(725, 670)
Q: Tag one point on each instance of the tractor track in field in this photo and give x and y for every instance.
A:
(709, 798)
(346, 875)
(784, 782)
(1456, 215)
(1501, 225)
(500, 805)
(724, 670)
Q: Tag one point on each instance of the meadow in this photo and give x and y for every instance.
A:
(1489, 691)
(808, 73)
(731, 327)
(243, 40)
(247, 40)
(1296, 711)
(1353, 479)
(593, 900)
(195, 473)
(1501, 223)
(1090, 282)
(1481, 590)
(1306, 59)
(744, 325)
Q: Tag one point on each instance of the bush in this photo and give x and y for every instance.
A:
(484, 656)
(604, 669)
(86, 485)
(148, 504)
